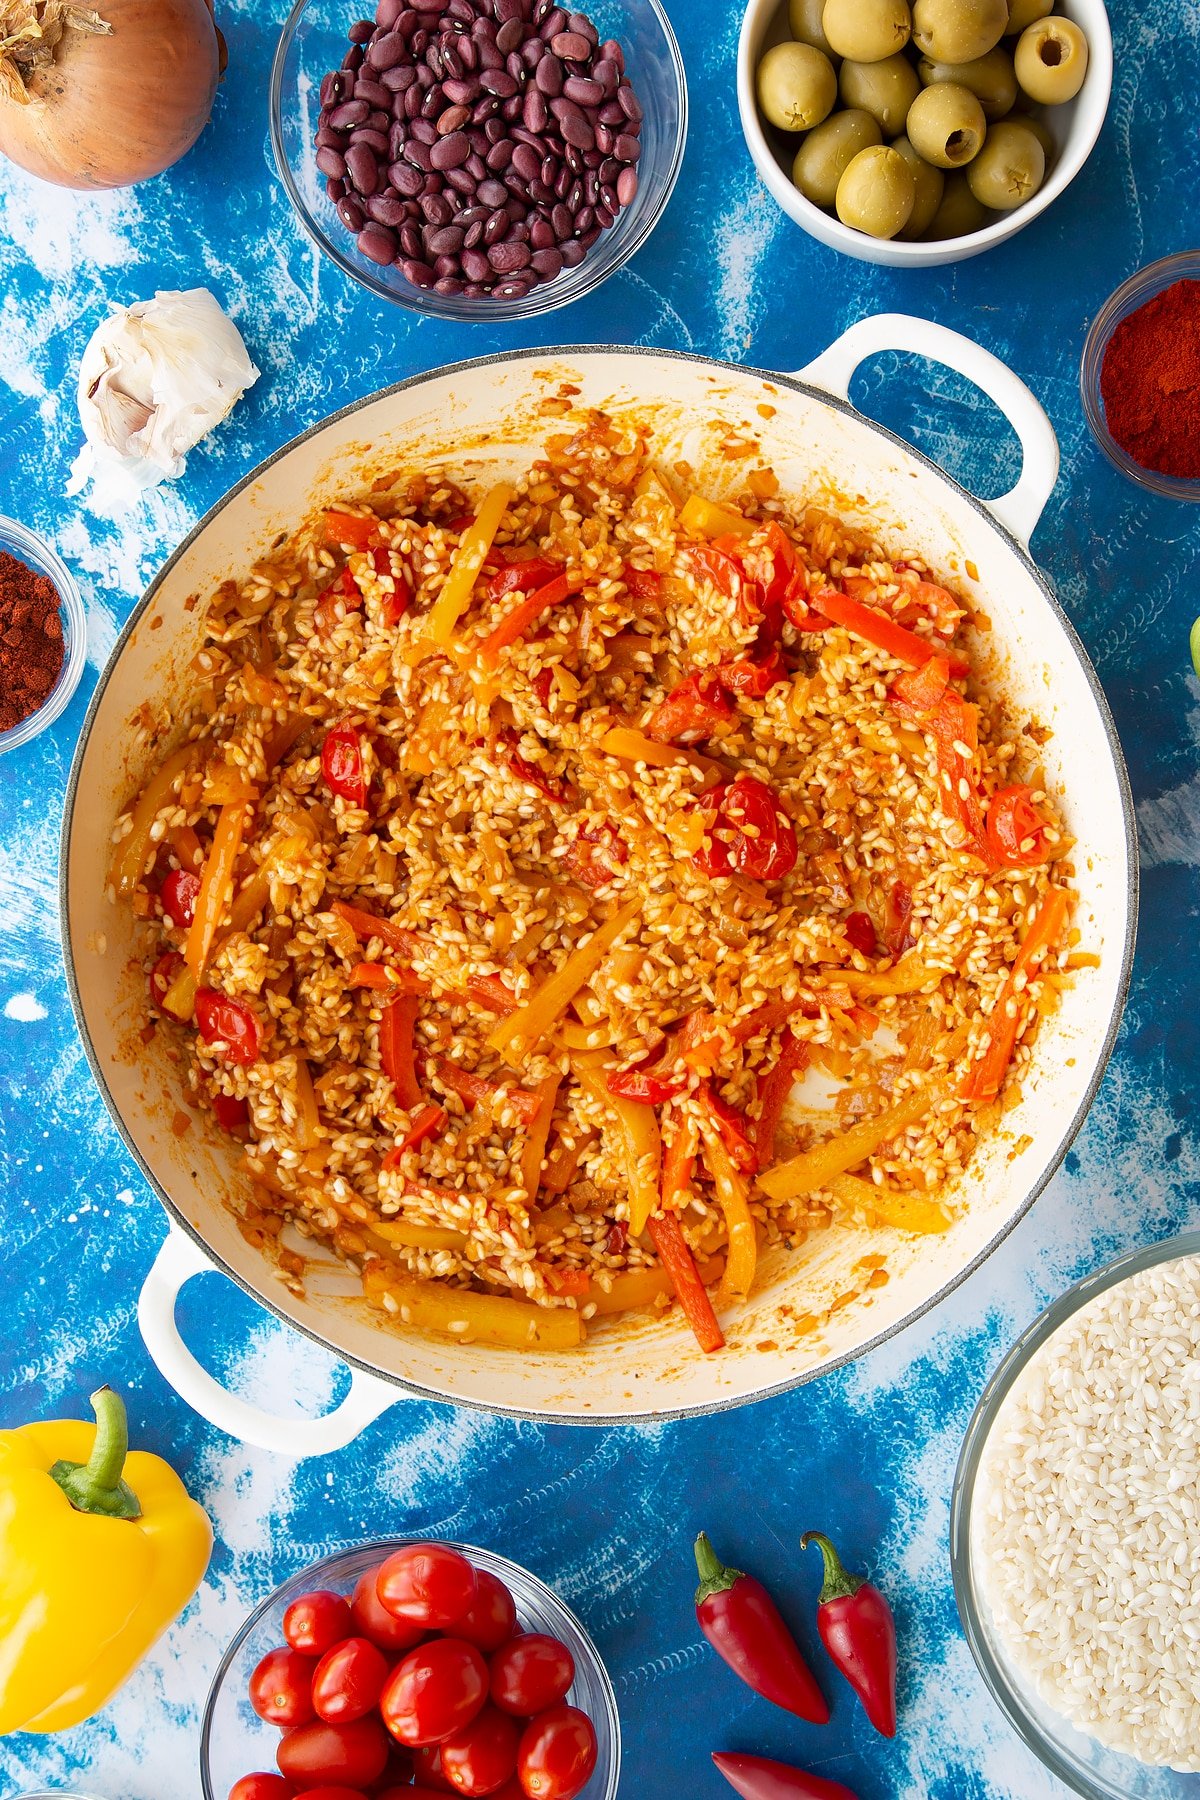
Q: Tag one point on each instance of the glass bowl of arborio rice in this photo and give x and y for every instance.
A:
(1075, 1529)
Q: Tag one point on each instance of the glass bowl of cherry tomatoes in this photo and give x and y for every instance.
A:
(407, 1670)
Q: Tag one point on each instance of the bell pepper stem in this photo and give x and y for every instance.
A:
(96, 1485)
(839, 1583)
(715, 1577)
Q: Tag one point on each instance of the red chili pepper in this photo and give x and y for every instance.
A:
(743, 1625)
(859, 1632)
(756, 1778)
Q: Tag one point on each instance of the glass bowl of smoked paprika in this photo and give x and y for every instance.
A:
(1140, 377)
(43, 647)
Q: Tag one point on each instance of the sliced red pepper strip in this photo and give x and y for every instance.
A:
(397, 1051)
(351, 529)
(573, 1282)
(230, 1112)
(881, 630)
(367, 925)
(691, 1293)
(897, 934)
(643, 584)
(386, 980)
(342, 764)
(953, 723)
(860, 932)
(327, 612)
(522, 616)
(476, 1088)
(773, 1091)
(221, 1020)
(528, 575)
(493, 993)
(1016, 831)
(859, 1632)
(985, 1078)
(681, 1145)
(426, 1124)
(743, 1624)
(644, 1083)
(758, 1778)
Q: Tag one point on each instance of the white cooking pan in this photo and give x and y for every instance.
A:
(482, 417)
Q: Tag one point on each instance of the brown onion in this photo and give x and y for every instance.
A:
(112, 97)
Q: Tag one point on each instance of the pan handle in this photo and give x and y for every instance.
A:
(176, 1263)
(1020, 509)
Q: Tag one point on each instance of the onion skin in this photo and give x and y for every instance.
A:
(112, 111)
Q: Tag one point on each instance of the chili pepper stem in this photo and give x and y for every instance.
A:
(839, 1583)
(96, 1485)
(715, 1577)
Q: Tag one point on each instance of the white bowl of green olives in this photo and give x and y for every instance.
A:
(917, 132)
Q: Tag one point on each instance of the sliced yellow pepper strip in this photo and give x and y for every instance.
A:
(733, 1191)
(459, 1313)
(910, 976)
(216, 886)
(419, 1237)
(640, 1140)
(539, 1131)
(634, 746)
(905, 1212)
(129, 861)
(817, 1167)
(709, 519)
(542, 1011)
(308, 1120)
(469, 558)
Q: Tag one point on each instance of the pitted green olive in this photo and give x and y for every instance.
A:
(958, 31)
(796, 86)
(1051, 60)
(804, 22)
(931, 185)
(946, 125)
(991, 78)
(828, 150)
(960, 213)
(884, 89)
(877, 192)
(867, 30)
(1026, 12)
(1009, 169)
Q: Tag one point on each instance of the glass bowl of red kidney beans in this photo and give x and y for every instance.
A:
(325, 1690)
(479, 159)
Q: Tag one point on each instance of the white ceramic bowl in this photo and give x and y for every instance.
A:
(1075, 125)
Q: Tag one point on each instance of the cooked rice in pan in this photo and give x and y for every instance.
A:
(523, 851)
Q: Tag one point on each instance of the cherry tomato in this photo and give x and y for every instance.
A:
(334, 1754)
(1016, 831)
(751, 835)
(178, 895)
(228, 1022)
(342, 764)
(491, 1618)
(427, 1768)
(348, 1681)
(427, 1584)
(373, 1620)
(557, 1754)
(594, 854)
(229, 1112)
(281, 1688)
(860, 932)
(531, 1673)
(335, 1793)
(262, 1787)
(434, 1692)
(754, 676)
(483, 1755)
(162, 978)
(316, 1622)
(691, 712)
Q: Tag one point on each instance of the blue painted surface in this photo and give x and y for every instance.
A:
(608, 1517)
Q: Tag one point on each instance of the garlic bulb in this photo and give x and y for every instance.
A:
(155, 378)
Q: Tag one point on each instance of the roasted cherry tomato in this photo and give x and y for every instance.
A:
(897, 924)
(230, 1112)
(373, 1620)
(557, 1754)
(352, 1755)
(595, 853)
(751, 834)
(337, 1793)
(178, 895)
(691, 712)
(342, 764)
(546, 783)
(483, 1755)
(162, 977)
(754, 676)
(427, 1584)
(262, 1787)
(427, 1768)
(860, 933)
(281, 1688)
(530, 1674)
(434, 1692)
(348, 1681)
(491, 1618)
(316, 1622)
(1016, 831)
(228, 1022)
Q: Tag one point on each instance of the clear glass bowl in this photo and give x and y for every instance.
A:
(1084, 1764)
(31, 550)
(1183, 266)
(234, 1740)
(314, 41)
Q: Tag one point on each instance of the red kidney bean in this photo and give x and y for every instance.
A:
(387, 51)
(499, 155)
(629, 103)
(507, 10)
(374, 92)
(376, 141)
(475, 265)
(360, 32)
(489, 56)
(606, 75)
(468, 54)
(387, 13)
(570, 45)
(377, 243)
(349, 114)
(627, 185)
(387, 209)
(446, 240)
(572, 252)
(353, 59)
(583, 91)
(532, 52)
(606, 137)
(351, 214)
(397, 80)
(549, 76)
(447, 285)
(423, 131)
(510, 36)
(476, 167)
(453, 119)
(333, 88)
(451, 152)
(436, 209)
(406, 179)
(498, 82)
(552, 22)
(418, 272)
(331, 162)
(511, 109)
(362, 166)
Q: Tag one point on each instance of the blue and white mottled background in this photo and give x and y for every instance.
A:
(608, 1517)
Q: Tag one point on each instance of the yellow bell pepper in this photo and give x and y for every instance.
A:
(93, 1566)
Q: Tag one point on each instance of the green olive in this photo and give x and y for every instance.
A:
(960, 213)
(958, 31)
(804, 22)
(796, 86)
(991, 79)
(1025, 12)
(946, 125)
(1009, 169)
(877, 192)
(884, 89)
(1051, 60)
(822, 158)
(931, 184)
(867, 30)
(1041, 132)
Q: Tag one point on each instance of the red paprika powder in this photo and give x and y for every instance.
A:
(31, 640)
(1150, 382)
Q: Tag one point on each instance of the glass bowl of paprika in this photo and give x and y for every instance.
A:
(43, 635)
(1140, 377)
